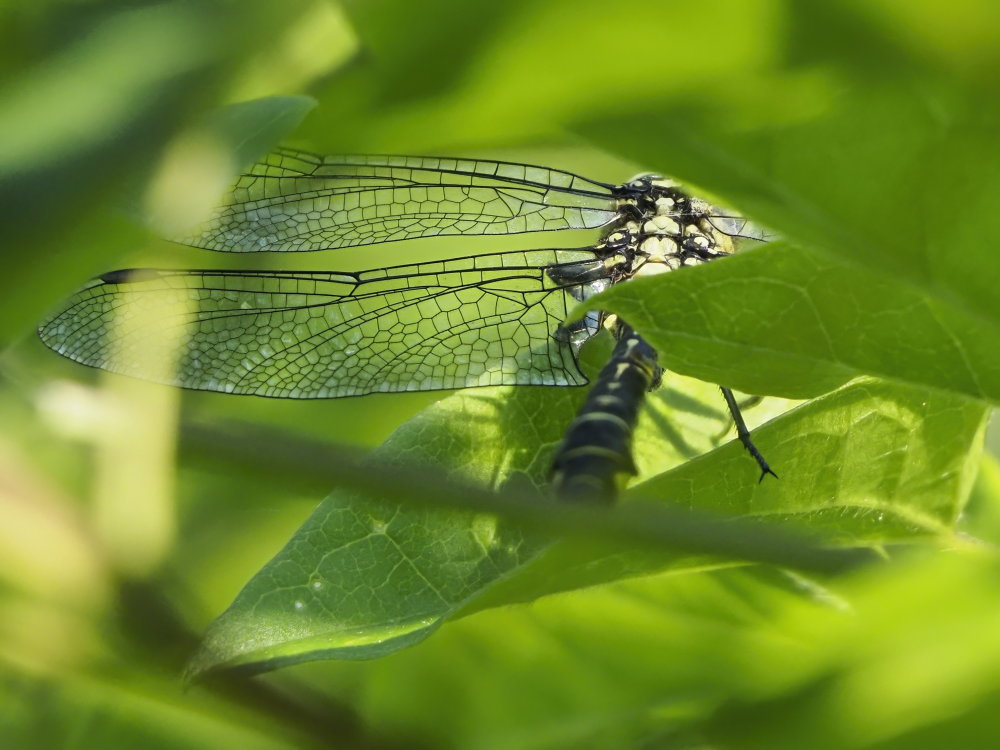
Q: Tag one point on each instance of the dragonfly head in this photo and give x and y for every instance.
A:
(654, 196)
(651, 195)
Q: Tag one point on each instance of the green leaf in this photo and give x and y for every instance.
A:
(531, 69)
(982, 517)
(871, 463)
(125, 710)
(596, 670)
(911, 664)
(366, 577)
(780, 320)
(868, 175)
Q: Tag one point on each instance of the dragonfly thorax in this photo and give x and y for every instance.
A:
(664, 244)
(668, 227)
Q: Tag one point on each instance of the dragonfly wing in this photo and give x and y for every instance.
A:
(297, 201)
(483, 320)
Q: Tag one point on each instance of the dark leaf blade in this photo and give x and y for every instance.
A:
(485, 320)
(295, 201)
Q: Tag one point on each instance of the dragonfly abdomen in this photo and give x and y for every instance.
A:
(596, 454)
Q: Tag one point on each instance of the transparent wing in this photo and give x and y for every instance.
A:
(297, 201)
(739, 227)
(483, 320)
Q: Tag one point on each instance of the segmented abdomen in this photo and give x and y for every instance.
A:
(596, 454)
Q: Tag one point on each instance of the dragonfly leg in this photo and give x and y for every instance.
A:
(747, 403)
(744, 434)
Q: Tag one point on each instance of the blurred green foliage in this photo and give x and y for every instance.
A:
(863, 131)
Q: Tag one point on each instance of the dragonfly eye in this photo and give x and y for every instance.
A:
(644, 181)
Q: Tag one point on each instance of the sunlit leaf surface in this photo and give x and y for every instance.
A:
(784, 321)
(365, 577)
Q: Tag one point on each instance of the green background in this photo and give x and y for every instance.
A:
(851, 604)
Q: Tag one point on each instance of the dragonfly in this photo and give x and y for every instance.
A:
(478, 320)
